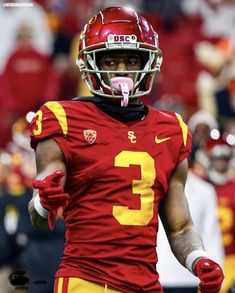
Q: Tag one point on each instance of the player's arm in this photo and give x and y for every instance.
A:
(184, 239)
(174, 212)
(48, 183)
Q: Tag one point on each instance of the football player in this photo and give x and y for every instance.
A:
(220, 154)
(113, 164)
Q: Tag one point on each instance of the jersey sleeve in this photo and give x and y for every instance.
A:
(50, 121)
(186, 139)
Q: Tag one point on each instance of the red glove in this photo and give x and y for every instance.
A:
(210, 275)
(52, 195)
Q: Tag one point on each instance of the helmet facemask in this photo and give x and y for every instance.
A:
(142, 80)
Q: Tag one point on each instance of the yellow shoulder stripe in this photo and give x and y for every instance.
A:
(59, 112)
(184, 128)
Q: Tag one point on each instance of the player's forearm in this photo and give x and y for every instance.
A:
(184, 242)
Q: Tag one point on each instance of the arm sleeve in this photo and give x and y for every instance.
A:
(50, 121)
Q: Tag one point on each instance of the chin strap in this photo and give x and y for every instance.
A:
(123, 85)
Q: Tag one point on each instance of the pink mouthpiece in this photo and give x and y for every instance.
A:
(123, 85)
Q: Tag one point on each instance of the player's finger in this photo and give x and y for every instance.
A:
(210, 285)
(38, 184)
(56, 176)
(210, 276)
(51, 180)
(205, 267)
(52, 191)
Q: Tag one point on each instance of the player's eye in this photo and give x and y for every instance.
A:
(132, 61)
(109, 62)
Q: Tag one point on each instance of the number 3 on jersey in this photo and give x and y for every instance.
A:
(123, 214)
(57, 109)
(38, 122)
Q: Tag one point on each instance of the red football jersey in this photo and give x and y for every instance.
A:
(226, 200)
(117, 174)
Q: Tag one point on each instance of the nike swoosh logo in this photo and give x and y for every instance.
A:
(160, 140)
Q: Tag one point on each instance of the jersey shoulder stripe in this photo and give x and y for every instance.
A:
(184, 128)
(57, 109)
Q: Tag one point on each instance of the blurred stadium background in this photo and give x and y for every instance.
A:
(38, 48)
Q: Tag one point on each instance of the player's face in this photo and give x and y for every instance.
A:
(221, 164)
(119, 61)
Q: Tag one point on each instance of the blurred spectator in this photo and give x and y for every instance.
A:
(26, 80)
(215, 85)
(202, 202)
(216, 158)
(220, 156)
(217, 23)
(26, 75)
(225, 101)
(10, 21)
(201, 124)
(218, 16)
(5, 162)
(21, 153)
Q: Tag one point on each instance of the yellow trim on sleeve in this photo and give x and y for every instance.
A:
(57, 109)
(184, 128)
(60, 285)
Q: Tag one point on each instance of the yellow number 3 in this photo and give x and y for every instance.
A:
(141, 217)
(38, 123)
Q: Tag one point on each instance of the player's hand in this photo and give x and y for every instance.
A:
(52, 195)
(210, 274)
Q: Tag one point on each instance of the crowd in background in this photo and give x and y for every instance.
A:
(39, 46)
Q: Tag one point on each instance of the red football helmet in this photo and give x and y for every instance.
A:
(118, 28)
(219, 148)
(219, 152)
